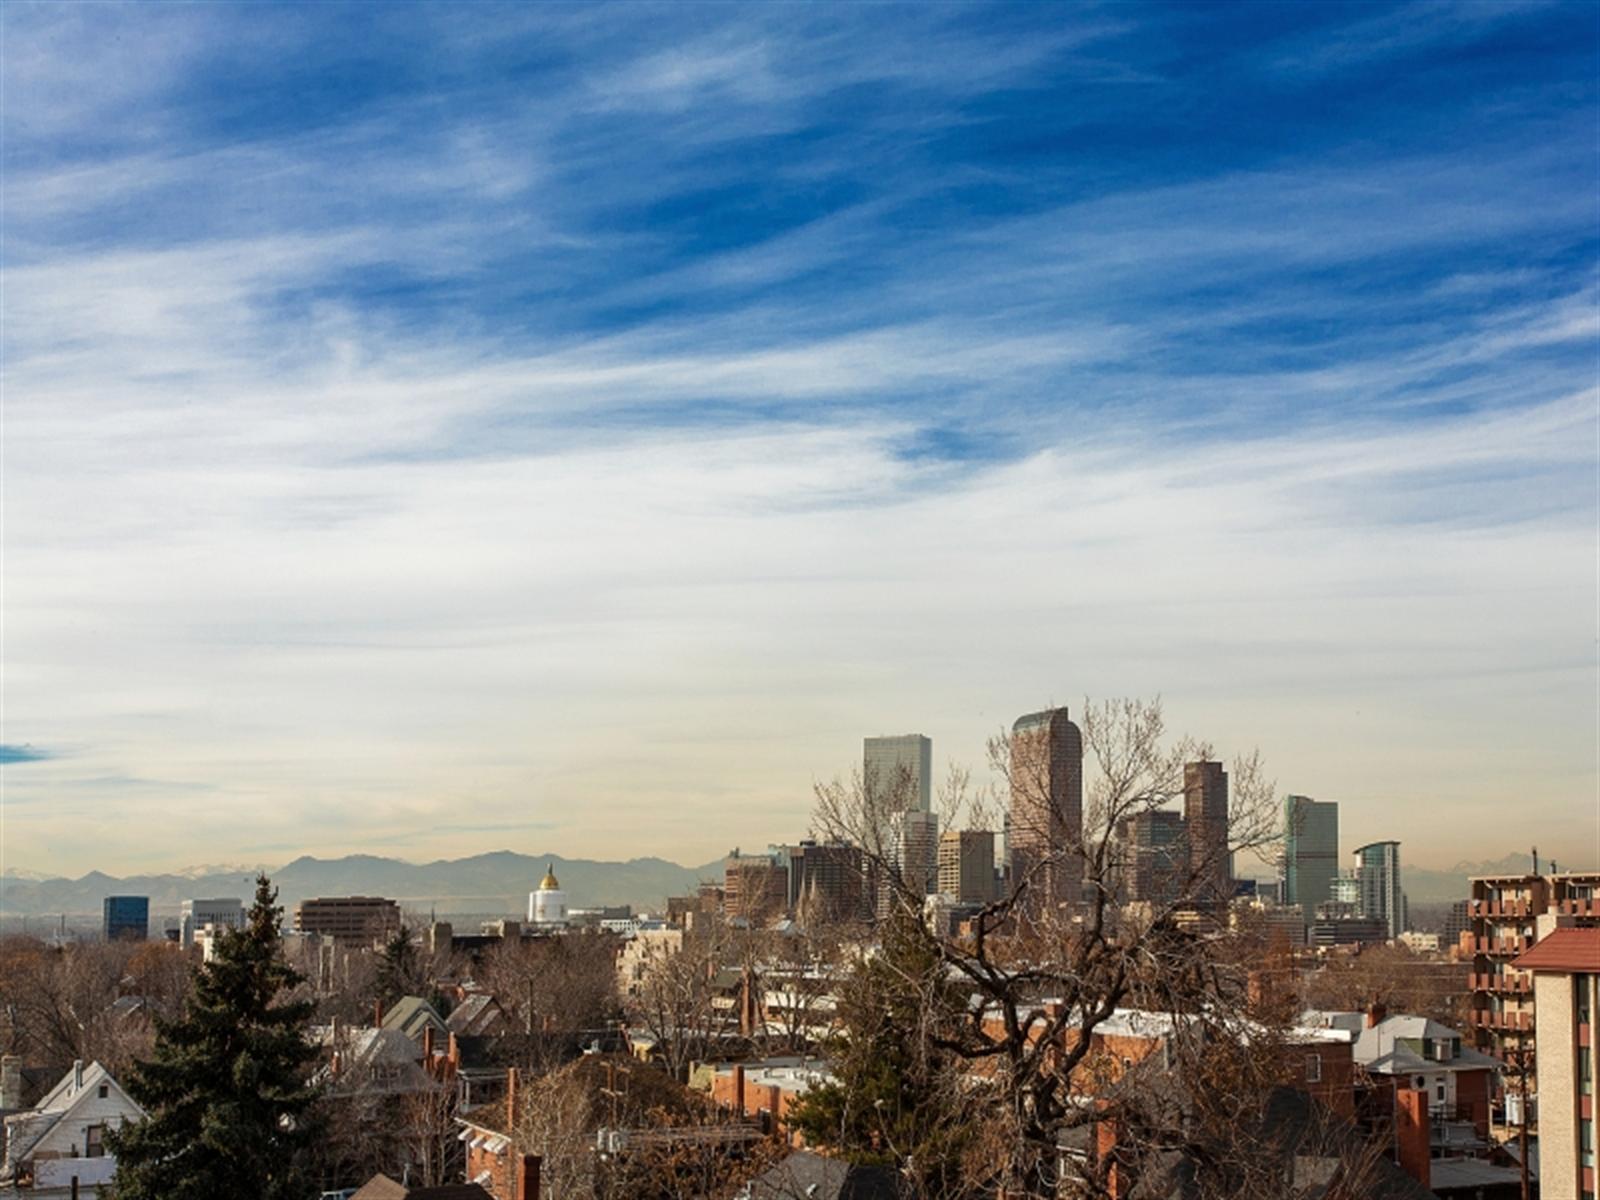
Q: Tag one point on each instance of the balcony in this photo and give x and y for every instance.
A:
(1500, 947)
(1502, 1022)
(1500, 983)
(1581, 907)
(1500, 908)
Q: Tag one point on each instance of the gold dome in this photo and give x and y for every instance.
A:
(549, 883)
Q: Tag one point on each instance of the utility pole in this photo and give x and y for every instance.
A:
(1522, 1125)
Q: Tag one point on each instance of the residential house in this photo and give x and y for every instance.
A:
(57, 1149)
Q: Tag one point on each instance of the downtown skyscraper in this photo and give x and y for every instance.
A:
(1205, 819)
(899, 771)
(1044, 828)
(1310, 852)
(1378, 870)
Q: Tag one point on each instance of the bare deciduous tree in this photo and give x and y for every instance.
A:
(1054, 956)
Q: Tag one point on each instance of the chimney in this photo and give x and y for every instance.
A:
(377, 1014)
(1411, 1133)
(747, 1003)
(452, 1051)
(77, 1074)
(1106, 1154)
(775, 1107)
(738, 1089)
(1376, 1014)
(527, 1178)
(10, 1082)
(427, 1047)
(511, 1098)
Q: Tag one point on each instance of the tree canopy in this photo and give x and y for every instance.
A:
(226, 1090)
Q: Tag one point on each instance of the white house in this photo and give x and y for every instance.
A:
(63, 1139)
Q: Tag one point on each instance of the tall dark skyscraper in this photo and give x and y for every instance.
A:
(900, 770)
(1310, 852)
(1205, 818)
(1045, 828)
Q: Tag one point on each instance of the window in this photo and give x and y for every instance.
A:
(1313, 1068)
(1421, 1084)
(105, 1090)
(94, 1141)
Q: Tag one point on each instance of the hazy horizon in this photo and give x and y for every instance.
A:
(1247, 868)
(430, 428)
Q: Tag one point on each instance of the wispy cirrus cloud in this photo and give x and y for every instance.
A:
(529, 415)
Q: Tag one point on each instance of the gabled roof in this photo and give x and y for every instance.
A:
(1565, 951)
(476, 1014)
(381, 1187)
(66, 1093)
(807, 1176)
(26, 1130)
(382, 1048)
(410, 1015)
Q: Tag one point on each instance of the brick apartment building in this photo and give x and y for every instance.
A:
(764, 1090)
(1565, 965)
(1508, 914)
(755, 887)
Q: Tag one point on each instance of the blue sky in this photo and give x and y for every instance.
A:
(434, 428)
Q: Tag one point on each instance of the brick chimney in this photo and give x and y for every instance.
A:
(427, 1047)
(1411, 1133)
(738, 1089)
(1377, 1013)
(377, 1014)
(747, 1003)
(527, 1187)
(511, 1099)
(775, 1107)
(1105, 1150)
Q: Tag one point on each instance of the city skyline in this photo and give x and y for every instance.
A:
(571, 428)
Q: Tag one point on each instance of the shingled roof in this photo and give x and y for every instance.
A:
(381, 1187)
(1570, 951)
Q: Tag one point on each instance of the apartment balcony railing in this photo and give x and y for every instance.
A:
(1501, 984)
(1500, 908)
(1501, 947)
(1581, 907)
(1502, 1022)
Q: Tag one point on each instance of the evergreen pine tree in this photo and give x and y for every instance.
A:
(226, 1092)
(399, 969)
(895, 1099)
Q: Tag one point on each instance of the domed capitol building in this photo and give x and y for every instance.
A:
(548, 905)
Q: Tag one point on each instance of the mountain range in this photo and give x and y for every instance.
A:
(498, 882)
